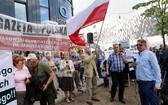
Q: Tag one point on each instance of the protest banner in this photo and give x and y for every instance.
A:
(7, 86)
(25, 36)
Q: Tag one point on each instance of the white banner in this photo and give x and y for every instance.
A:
(19, 35)
(7, 86)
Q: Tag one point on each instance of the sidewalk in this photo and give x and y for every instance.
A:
(61, 96)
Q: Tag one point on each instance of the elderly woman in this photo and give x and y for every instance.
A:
(50, 63)
(21, 75)
(67, 84)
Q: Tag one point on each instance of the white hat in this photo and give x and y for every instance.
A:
(31, 56)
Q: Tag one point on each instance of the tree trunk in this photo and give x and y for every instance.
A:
(163, 36)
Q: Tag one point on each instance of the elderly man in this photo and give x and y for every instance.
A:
(57, 60)
(91, 75)
(116, 63)
(76, 74)
(43, 73)
(147, 74)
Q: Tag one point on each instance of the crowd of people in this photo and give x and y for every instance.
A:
(39, 77)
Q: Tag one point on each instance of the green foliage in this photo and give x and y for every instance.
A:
(157, 9)
(137, 6)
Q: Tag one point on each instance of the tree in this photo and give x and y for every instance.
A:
(158, 10)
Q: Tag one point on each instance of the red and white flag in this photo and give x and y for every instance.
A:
(94, 13)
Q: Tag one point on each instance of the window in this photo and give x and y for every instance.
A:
(44, 15)
(23, 0)
(44, 11)
(70, 1)
(44, 3)
(20, 11)
(20, 0)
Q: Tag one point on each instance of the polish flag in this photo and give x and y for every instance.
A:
(94, 13)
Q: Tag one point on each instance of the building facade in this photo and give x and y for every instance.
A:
(38, 11)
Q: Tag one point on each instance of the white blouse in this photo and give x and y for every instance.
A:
(65, 71)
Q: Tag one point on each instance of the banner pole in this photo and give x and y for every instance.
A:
(102, 27)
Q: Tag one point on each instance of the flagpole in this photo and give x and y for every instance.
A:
(102, 27)
(100, 33)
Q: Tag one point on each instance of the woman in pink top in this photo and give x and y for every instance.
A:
(21, 75)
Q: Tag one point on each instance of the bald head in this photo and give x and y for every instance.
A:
(73, 52)
(87, 49)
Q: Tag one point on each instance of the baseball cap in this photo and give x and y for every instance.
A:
(31, 56)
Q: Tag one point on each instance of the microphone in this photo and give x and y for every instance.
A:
(67, 64)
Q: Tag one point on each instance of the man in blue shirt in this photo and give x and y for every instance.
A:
(76, 74)
(147, 74)
(99, 61)
(116, 63)
(57, 60)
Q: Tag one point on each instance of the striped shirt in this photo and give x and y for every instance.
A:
(116, 63)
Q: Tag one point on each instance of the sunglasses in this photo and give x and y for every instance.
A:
(139, 45)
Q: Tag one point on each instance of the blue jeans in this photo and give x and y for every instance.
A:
(147, 94)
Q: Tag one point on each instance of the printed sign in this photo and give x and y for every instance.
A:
(7, 86)
(19, 35)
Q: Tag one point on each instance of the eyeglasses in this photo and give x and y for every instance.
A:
(139, 45)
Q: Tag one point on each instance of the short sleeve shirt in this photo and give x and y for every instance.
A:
(43, 72)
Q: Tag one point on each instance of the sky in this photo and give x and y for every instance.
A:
(116, 8)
